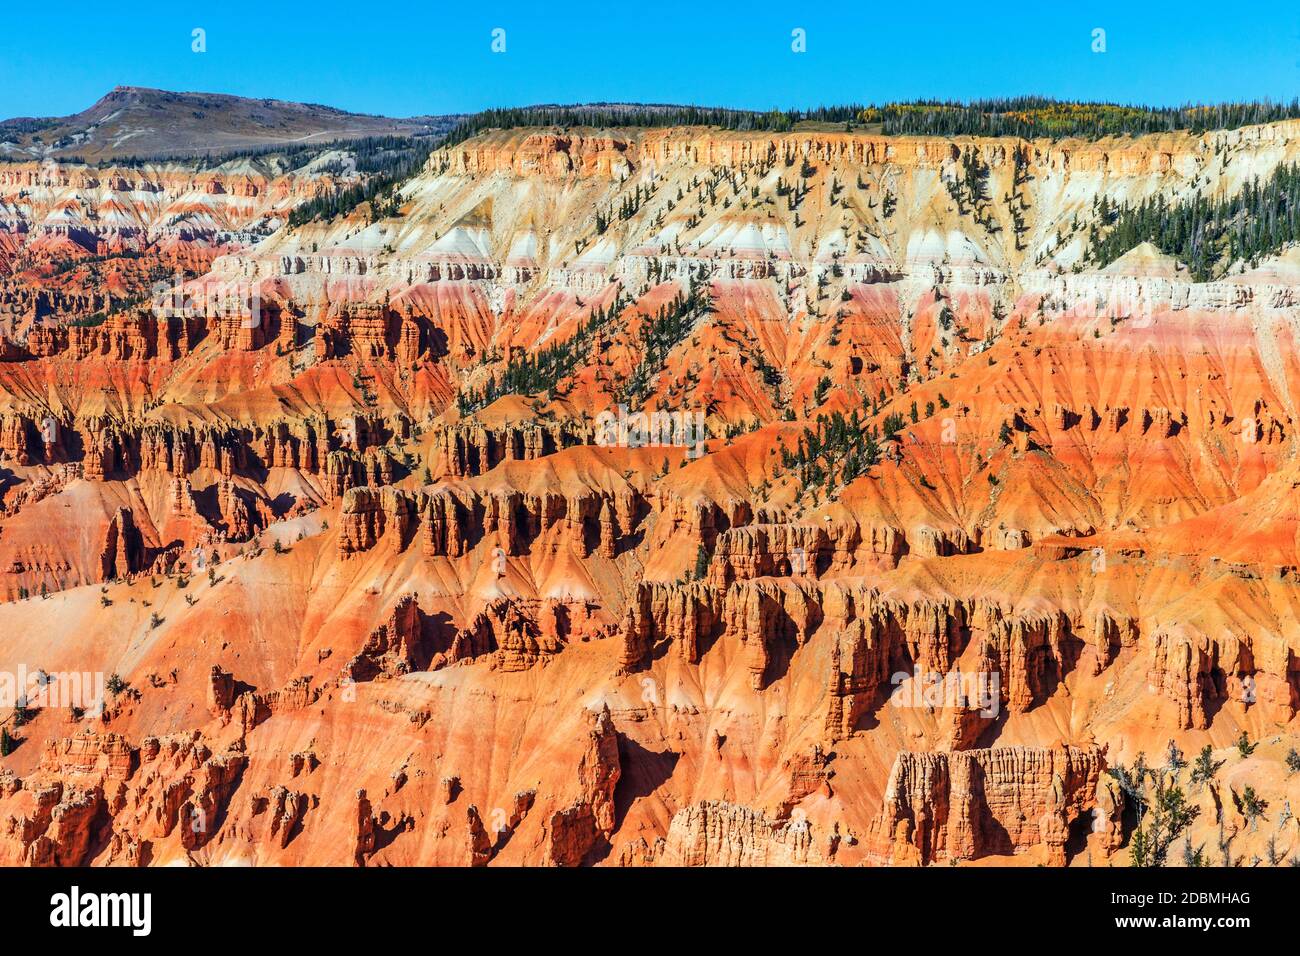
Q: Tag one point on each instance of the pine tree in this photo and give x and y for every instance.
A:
(1244, 747)
(1205, 767)
(701, 563)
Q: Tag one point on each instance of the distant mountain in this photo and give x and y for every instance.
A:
(137, 122)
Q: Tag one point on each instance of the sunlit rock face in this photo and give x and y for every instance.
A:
(650, 497)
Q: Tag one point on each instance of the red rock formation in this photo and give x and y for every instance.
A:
(122, 554)
(574, 831)
(965, 805)
(715, 833)
(327, 551)
(395, 647)
(480, 844)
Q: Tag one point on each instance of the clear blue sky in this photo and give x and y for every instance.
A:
(402, 58)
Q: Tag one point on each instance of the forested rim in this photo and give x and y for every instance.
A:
(1035, 116)
(1208, 235)
(1025, 116)
(1201, 233)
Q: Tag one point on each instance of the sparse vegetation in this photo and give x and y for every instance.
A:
(1163, 811)
(668, 329)
(385, 163)
(834, 453)
(1252, 806)
(542, 370)
(1244, 747)
(1205, 767)
(701, 570)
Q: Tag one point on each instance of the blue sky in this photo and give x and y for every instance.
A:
(404, 58)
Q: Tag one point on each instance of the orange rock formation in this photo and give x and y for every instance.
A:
(501, 532)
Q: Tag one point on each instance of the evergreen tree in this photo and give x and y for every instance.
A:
(1205, 767)
(701, 563)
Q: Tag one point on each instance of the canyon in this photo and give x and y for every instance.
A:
(917, 532)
